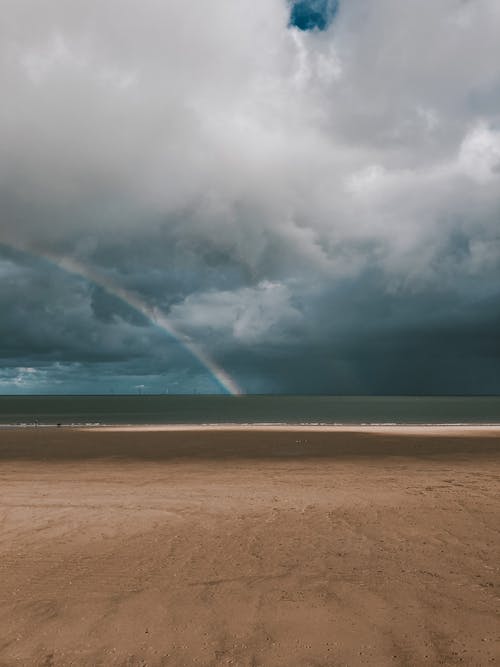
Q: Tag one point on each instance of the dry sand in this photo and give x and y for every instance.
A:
(249, 547)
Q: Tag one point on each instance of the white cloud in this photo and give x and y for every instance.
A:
(120, 113)
(249, 315)
(479, 156)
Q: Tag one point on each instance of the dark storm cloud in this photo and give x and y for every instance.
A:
(75, 330)
(109, 309)
(315, 202)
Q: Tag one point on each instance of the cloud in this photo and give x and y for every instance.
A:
(279, 192)
(479, 156)
(252, 316)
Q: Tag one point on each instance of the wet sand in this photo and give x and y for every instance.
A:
(375, 546)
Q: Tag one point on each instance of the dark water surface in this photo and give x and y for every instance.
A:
(249, 409)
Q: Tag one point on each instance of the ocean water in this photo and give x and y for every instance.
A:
(270, 409)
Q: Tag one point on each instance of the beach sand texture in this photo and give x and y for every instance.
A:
(249, 547)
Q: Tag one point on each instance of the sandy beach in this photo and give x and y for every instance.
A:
(263, 546)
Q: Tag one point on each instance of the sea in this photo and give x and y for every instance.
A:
(269, 409)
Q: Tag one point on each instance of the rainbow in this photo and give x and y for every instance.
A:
(152, 314)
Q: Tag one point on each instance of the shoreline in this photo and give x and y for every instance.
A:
(197, 442)
(375, 427)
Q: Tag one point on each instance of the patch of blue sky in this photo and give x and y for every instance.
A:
(312, 14)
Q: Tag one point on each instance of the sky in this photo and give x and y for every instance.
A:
(250, 195)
